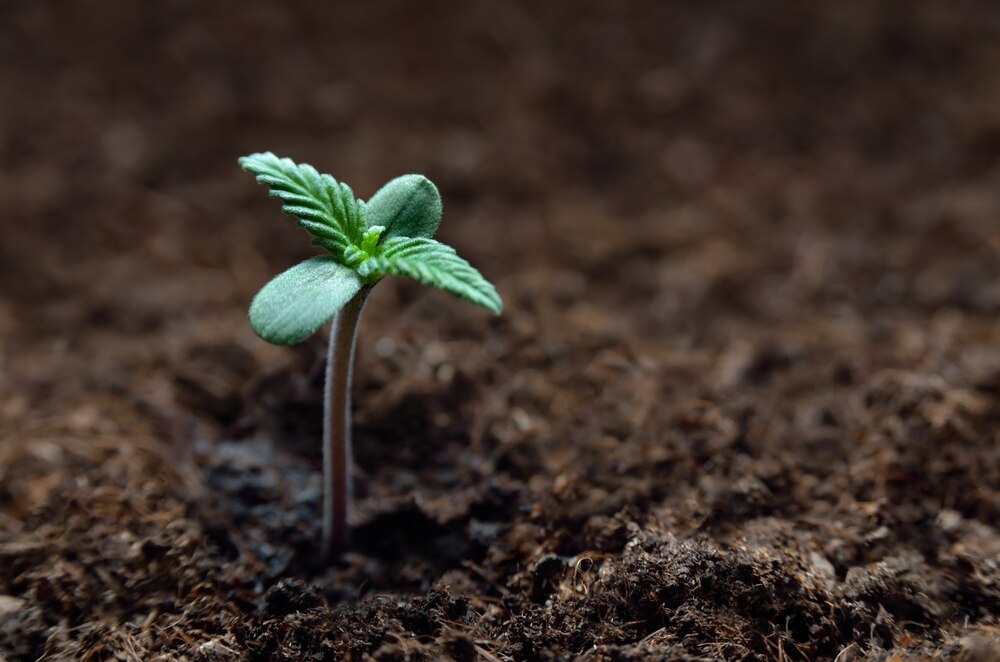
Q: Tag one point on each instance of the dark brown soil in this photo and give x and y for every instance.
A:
(743, 402)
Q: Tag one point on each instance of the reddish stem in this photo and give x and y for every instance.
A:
(337, 482)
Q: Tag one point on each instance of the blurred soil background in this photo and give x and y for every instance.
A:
(743, 402)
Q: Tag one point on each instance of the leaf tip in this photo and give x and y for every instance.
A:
(248, 160)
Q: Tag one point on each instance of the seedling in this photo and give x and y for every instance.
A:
(391, 234)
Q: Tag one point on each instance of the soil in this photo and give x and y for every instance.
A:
(742, 404)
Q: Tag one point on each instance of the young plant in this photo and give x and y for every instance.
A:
(391, 234)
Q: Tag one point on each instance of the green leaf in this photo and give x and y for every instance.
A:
(408, 206)
(300, 300)
(326, 208)
(432, 263)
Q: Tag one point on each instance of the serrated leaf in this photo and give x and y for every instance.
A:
(432, 263)
(408, 206)
(298, 301)
(326, 208)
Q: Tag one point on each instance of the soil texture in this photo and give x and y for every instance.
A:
(743, 402)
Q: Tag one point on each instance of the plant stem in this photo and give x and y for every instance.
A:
(337, 487)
